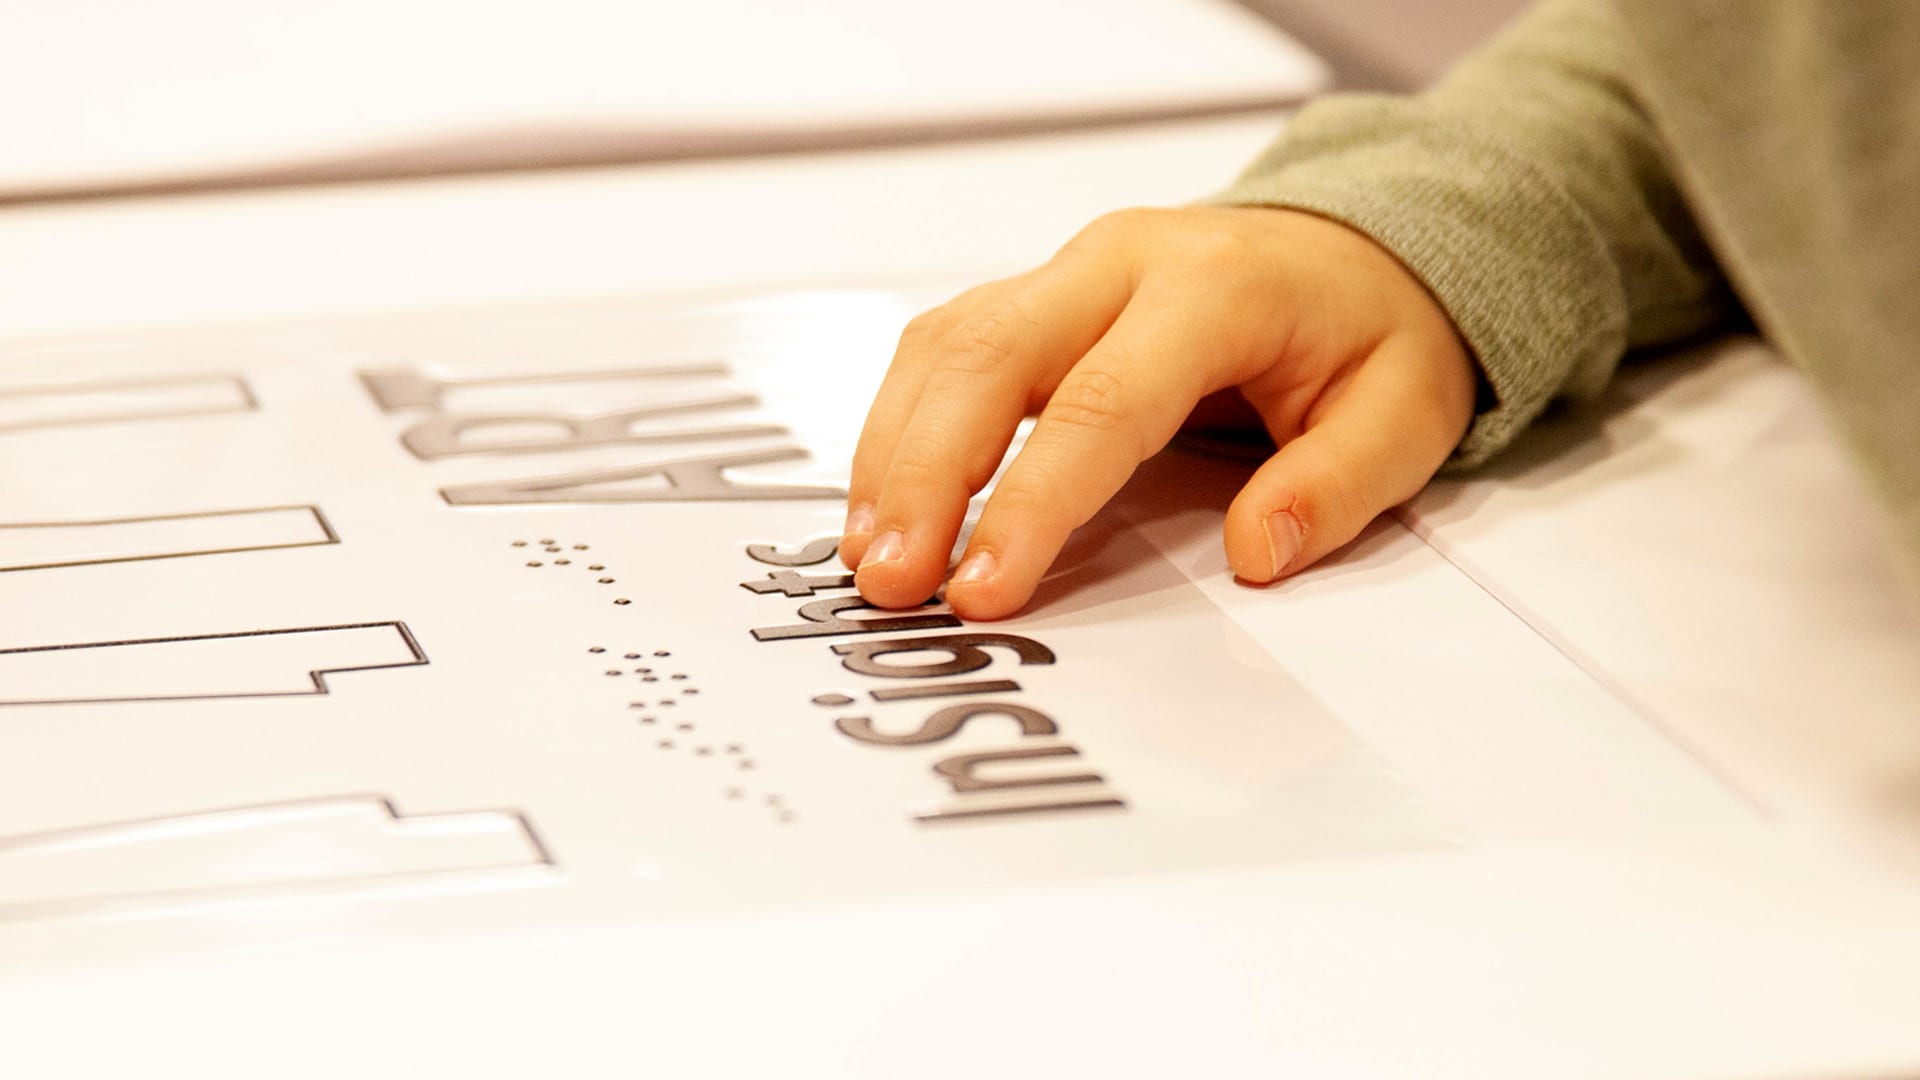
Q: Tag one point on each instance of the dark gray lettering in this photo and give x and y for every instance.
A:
(407, 388)
(973, 812)
(792, 584)
(946, 723)
(947, 689)
(451, 434)
(701, 479)
(812, 553)
(823, 620)
(965, 651)
(961, 769)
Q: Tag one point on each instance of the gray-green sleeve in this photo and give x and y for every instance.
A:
(1529, 191)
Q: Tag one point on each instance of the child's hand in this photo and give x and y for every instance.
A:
(1353, 367)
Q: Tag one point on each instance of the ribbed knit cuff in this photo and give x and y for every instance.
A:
(1523, 273)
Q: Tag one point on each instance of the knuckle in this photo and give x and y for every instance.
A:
(1222, 251)
(925, 329)
(915, 470)
(986, 340)
(1096, 400)
(932, 463)
(1020, 501)
(1111, 227)
(1041, 500)
(935, 464)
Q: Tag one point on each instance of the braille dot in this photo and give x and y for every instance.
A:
(648, 720)
(665, 744)
(745, 765)
(679, 674)
(553, 547)
(597, 648)
(606, 581)
(703, 751)
(546, 541)
(636, 704)
(535, 563)
(615, 674)
(641, 670)
(562, 562)
(662, 652)
(634, 656)
(623, 601)
(649, 678)
(579, 547)
(691, 690)
(773, 800)
(596, 566)
(683, 727)
(734, 748)
(832, 700)
(667, 703)
(519, 543)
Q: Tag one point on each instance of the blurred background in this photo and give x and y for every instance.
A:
(1388, 44)
(107, 98)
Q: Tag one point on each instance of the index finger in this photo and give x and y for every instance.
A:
(894, 402)
(1119, 406)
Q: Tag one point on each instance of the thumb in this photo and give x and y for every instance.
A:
(1372, 449)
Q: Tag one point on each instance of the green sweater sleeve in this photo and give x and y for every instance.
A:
(1530, 193)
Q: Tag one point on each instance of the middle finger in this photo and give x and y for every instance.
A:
(979, 383)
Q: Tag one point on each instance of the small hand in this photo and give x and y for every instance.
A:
(1351, 365)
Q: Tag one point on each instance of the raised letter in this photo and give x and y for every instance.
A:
(812, 553)
(446, 435)
(863, 657)
(823, 620)
(947, 689)
(959, 769)
(792, 584)
(406, 388)
(966, 813)
(701, 479)
(945, 723)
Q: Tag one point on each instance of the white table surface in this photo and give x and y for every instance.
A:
(203, 91)
(1769, 946)
(958, 209)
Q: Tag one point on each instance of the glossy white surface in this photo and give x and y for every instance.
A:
(966, 209)
(1699, 541)
(1540, 881)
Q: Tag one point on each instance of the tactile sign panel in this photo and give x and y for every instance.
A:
(573, 571)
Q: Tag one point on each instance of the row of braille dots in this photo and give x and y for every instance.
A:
(680, 733)
(564, 558)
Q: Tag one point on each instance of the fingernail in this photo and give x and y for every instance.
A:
(1283, 539)
(890, 547)
(859, 521)
(978, 566)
